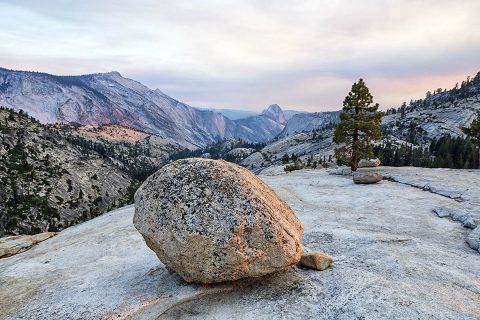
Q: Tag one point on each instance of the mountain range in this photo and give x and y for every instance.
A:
(235, 114)
(109, 98)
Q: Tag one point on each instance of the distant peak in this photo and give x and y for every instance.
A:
(275, 112)
(273, 108)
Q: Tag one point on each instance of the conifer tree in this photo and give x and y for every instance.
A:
(359, 125)
(474, 132)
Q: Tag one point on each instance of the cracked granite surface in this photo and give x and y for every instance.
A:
(394, 259)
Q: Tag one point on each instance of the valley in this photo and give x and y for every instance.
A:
(54, 177)
(81, 163)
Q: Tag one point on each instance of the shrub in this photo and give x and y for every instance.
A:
(293, 167)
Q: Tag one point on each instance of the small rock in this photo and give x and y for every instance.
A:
(214, 221)
(367, 177)
(468, 221)
(442, 212)
(10, 246)
(316, 260)
(367, 163)
(473, 239)
(457, 215)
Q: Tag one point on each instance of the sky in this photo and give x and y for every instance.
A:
(248, 54)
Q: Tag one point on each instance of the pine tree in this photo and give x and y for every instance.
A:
(402, 110)
(359, 125)
(474, 133)
(11, 114)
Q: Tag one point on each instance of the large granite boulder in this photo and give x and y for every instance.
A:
(367, 163)
(213, 221)
(367, 177)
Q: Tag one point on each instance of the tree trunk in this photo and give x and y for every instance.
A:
(354, 159)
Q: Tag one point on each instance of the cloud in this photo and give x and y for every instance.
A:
(248, 54)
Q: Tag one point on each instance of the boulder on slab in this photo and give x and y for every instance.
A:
(316, 260)
(367, 177)
(367, 163)
(213, 221)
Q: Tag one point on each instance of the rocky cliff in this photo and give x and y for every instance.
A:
(53, 176)
(440, 113)
(307, 147)
(263, 127)
(310, 121)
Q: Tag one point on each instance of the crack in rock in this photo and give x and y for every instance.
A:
(455, 195)
(460, 215)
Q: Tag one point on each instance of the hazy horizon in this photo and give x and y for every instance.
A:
(248, 55)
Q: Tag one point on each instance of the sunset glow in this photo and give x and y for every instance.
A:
(249, 54)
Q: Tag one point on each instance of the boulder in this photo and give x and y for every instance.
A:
(442, 212)
(213, 221)
(316, 260)
(367, 177)
(366, 163)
